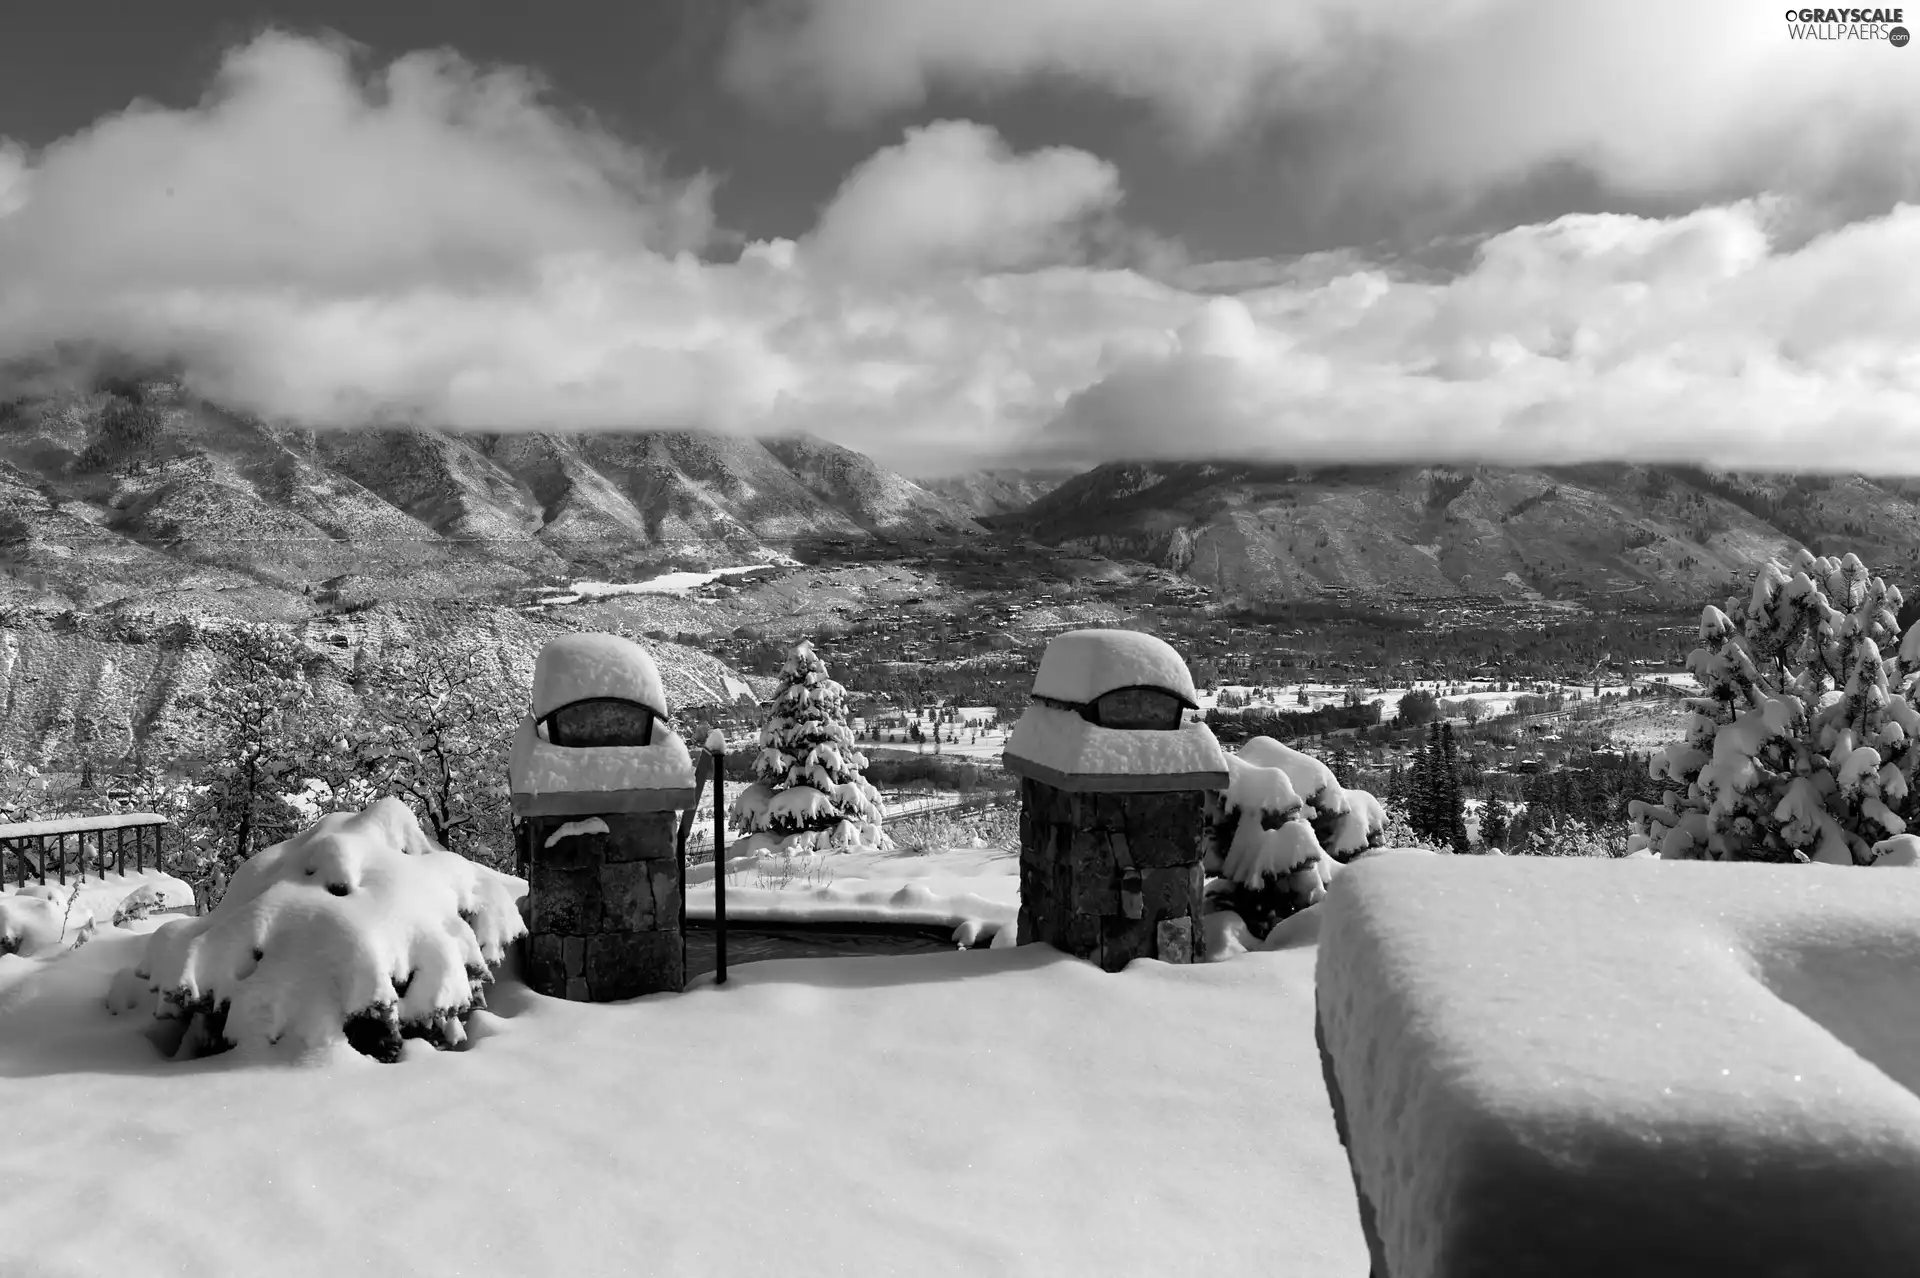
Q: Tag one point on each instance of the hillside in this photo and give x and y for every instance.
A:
(997, 492)
(140, 488)
(108, 684)
(1598, 533)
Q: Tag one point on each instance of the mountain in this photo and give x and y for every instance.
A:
(137, 486)
(997, 492)
(1625, 533)
(109, 683)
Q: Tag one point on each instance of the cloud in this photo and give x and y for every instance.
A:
(1710, 98)
(1592, 337)
(434, 242)
(953, 195)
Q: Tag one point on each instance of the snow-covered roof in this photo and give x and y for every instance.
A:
(1081, 665)
(551, 780)
(1064, 750)
(576, 667)
(1630, 1059)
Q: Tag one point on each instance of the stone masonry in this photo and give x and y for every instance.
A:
(1111, 876)
(605, 909)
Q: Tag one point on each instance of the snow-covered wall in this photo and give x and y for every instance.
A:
(1569, 1066)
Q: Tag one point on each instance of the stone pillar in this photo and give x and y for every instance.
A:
(1111, 876)
(605, 908)
(1113, 784)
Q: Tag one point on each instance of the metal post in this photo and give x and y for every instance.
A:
(63, 859)
(718, 745)
(40, 846)
(120, 850)
(140, 848)
(100, 853)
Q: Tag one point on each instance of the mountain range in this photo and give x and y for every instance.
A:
(141, 487)
(1621, 534)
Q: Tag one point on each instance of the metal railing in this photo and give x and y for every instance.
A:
(42, 846)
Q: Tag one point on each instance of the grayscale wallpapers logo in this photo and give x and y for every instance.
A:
(1848, 24)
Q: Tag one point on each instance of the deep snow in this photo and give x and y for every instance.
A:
(990, 1112)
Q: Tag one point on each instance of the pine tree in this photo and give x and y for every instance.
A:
(1802, 747)
(808, 792)
(1453, 807)
(1493, 823)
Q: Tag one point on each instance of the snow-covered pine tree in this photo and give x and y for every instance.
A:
(1273, 834)
(808, 793)
(1801, 747)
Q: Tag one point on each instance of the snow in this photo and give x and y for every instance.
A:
(31, 917)
(1063, 741)
(72, 825)
(1080, 665)
(671, 583)
(359, 912)
(939, 1114)
(575, 667)
(592, 825)
(1627, 1061)
(540, 767)
(975, 891)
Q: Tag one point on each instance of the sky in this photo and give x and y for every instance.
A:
(1007, 233)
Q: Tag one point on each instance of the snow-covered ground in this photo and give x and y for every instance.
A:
(672, 583)
(974, 890)
(997, 1111)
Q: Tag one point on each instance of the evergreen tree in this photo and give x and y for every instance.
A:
(1493, 823)
(1452, 805)
(808, 791)
(1420, 790)
(1802, 746)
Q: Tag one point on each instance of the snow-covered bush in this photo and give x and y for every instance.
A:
(43, 919)
(808, 792)
(1273, 833)
(359, 929)
(1570, 836)
(1801, 746)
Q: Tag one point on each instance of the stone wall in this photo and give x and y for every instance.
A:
(604, 909)
(1111, 877)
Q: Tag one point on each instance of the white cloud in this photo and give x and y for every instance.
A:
(1593, 337)
(952, 194)
(438, 244)
(1707, 97)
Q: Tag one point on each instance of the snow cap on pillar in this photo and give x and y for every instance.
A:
(1083, 665)
(550, 779)
(1061, 741)
(579, 667)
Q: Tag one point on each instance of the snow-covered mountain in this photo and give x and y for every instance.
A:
(1662, 534)
(192, 496)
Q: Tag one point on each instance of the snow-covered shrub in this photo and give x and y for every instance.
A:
(359, 929)
(41, 920)
(1273, 833)
(1801, 746)
(1570, 836)
(808, 792)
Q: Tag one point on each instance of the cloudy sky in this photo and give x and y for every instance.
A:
(999, 232)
